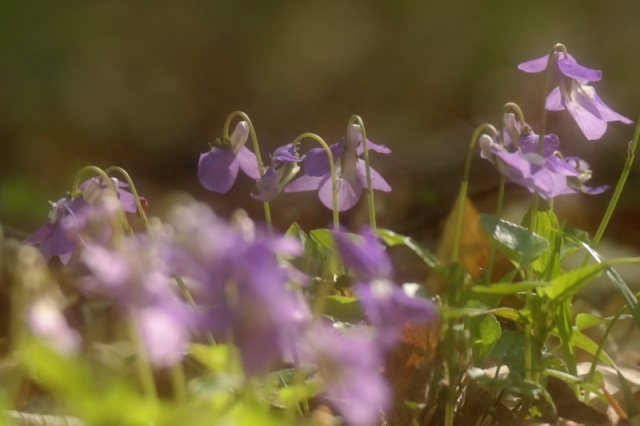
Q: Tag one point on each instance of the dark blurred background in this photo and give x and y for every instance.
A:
(147, 85)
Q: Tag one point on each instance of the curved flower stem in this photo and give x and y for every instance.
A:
(559, 47)
(332, 168)
(256, 151)
(75, 191)
(356, 119)
(134, 192)
(464, 185)
(145, 373)
(619, 187)
(511, 107)
(492, 252)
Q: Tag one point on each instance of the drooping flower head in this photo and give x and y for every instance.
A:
(60, 236)
(76, 222)
(349, 364)
(284, 166)
(218, 168)
(387, 306)
(350, 171)
(574, 94)
(545, 172)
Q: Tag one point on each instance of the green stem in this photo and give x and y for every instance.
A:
(559, 47)
(179, 383)
(256, 151)
(75, 191)
(619, 187)
(332, 168)
(463, 188)
(492, 252)
(370, 201)
(145, 373)
(134, 192)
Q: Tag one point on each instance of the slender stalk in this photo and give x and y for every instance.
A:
(492, 252)
(332, 168)
(619, 187)
(101, 173)
(256, 151)
(464, 185)
(139, 208)
(145, 373)
(179, 383)
(370, 201)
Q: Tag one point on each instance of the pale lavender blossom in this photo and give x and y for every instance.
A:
(574, 94)
(218, 168)
(284, 166)
(350, 171)
(47, 322)
(349, 364)
(93, 188)
(387, 306)
(60, 236)
(547, 172)
(142, 285)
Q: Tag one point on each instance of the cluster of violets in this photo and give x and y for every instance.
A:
(198, 274)
(241, 288)
(535, 162)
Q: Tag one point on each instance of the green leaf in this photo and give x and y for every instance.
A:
(585, 321)
(485, 332)
(629, 297)
(343, 308)
(324, 237)
(519, 244)
(393, 239)
(503, 289)
(568, 284)
(67, 375)
(217, 358)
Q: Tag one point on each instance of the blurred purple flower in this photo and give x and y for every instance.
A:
(141, 284)
(94, 187)
(364, 255)
(60, 236)
(350, 364)
(284, 166)
(236, 275)
(350, 171)
(387, 306)
(218, 168)
(547, 173)
(48, 324)
(574, 94)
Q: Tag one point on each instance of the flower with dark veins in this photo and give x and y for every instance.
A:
(283, 168)
(351, 172)
(218, 168)
(574, 94)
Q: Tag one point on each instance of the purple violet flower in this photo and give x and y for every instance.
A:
(241, 285)
(94, 187)
(350, 364)
(218, 168)
(141, 284)
(575, 95)
(350, 171)
(547, 173)
(284, 166)
(60, 236)
(386, 305)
